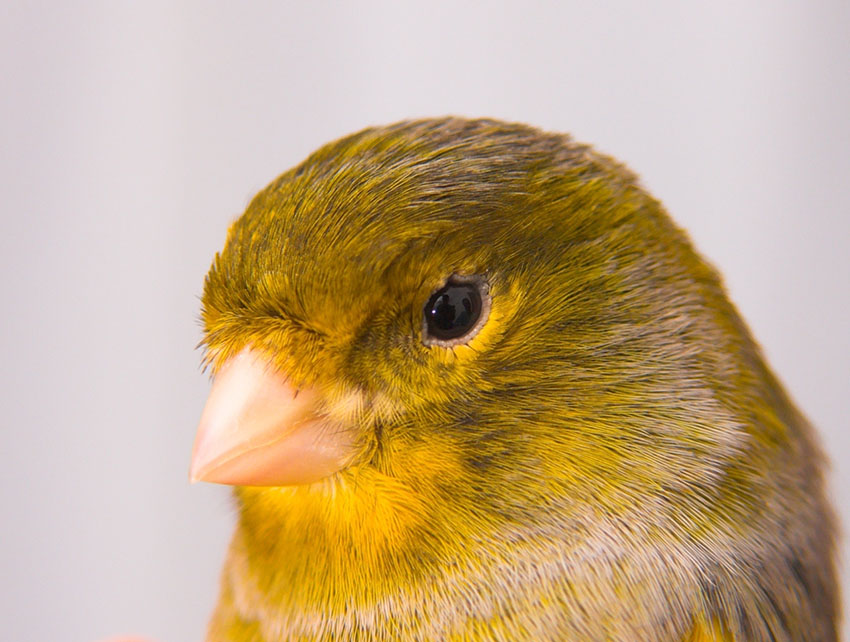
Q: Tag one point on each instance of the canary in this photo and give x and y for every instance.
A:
(471, 383)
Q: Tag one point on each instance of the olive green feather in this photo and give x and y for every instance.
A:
(609, 458)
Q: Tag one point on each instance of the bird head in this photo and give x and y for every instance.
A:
(485, 321)
(449, 344)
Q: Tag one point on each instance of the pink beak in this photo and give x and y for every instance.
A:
(257, 430)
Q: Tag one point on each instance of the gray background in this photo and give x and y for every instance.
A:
(133, 133)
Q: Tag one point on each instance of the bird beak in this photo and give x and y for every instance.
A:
(258, 430)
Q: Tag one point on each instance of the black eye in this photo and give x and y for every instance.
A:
(455, 312)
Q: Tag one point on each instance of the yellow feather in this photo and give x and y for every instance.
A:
(608, 458)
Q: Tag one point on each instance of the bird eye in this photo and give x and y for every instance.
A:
(456, 312)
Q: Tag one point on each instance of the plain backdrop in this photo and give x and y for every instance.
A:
(133, 133)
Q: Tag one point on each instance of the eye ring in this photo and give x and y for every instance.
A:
(456, 312)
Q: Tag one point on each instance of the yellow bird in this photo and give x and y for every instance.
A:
(471, 383)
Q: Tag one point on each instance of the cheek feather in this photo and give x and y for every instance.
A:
(383, 511)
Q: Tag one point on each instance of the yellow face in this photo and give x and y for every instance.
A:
(595, 311)
(448, 350)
